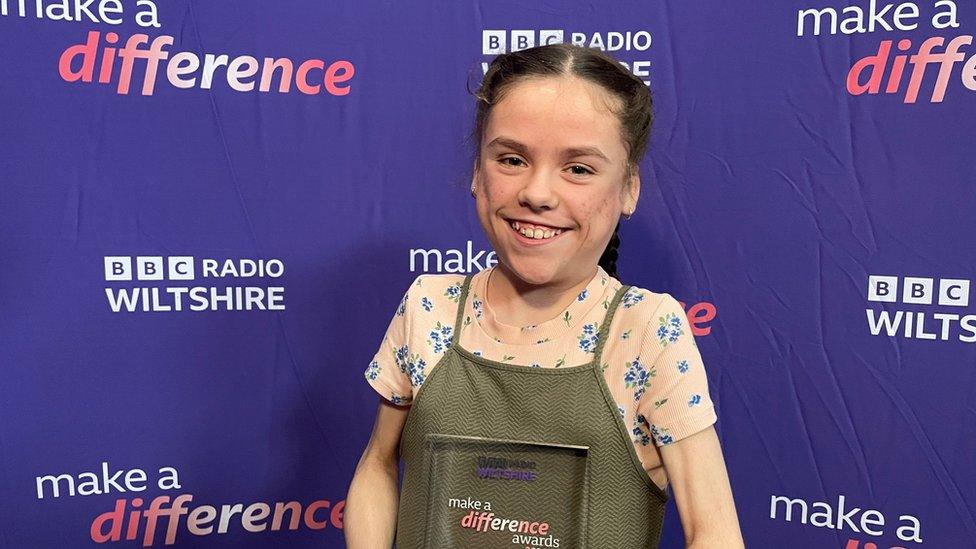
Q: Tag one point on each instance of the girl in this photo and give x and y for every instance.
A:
(541, 401)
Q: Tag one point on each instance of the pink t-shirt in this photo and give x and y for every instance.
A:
(650, 362)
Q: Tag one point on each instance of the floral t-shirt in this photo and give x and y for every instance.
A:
(651, 363)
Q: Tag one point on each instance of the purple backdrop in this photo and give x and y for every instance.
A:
(809, 201)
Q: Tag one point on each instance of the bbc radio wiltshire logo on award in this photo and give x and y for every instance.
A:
(144, 284)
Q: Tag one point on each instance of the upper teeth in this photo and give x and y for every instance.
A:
(535, 231)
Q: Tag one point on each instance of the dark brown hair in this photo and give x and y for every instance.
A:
(633, 107)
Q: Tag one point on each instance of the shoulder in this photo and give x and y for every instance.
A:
(430, 304)
(427, 291)
(640, 305)
(654, 313)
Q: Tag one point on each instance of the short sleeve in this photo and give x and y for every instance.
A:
(387, 373)
(676, 403)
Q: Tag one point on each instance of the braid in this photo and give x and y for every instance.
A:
(609, 258)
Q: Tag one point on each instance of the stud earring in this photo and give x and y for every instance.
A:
(628, 214)
(472, 189)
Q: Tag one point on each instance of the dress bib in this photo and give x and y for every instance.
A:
(510, 456)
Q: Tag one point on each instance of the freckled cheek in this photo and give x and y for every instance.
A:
(499, 194)
(595, 214)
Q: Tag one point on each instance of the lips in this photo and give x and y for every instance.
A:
(535, 223)
(530, 241)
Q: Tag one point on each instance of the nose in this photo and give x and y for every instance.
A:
(538, 192)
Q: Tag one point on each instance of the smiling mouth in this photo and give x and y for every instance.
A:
(534, 232)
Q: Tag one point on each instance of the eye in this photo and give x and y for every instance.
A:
(579, 169)
(511, 161)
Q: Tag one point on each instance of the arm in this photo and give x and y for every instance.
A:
(700, 482)
(371, 505)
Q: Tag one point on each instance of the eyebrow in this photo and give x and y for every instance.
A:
(571, 152)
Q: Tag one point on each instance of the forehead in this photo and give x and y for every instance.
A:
(556, 110)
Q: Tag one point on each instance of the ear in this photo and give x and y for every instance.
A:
(474, 175)
(633, 190)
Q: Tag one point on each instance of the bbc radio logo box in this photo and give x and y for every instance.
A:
(168, 284)
(951, 292)
(498, 41)
(495, 42)
(621, 44)
(915, 307)
(126, 268)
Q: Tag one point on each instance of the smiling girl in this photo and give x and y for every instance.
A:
(547, 354)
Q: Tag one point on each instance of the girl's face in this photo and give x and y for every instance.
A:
(553, 158)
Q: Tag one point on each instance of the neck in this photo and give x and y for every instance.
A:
(516, 302)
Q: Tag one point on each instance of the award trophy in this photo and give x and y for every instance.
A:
(487, 492)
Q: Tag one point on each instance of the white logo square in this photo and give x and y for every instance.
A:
(492, 42)
(522, 40)
(118, 267)
(883, 288)
(149, 268)
(954, 292)
(917, 290)
(547, 37)
(180, 267)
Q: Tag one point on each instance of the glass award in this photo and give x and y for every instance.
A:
(485, 492)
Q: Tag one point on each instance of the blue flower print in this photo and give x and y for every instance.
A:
(621, 411)
(400, 357)
(453, 292)
(427, 304)
(476, 303)
(373, 370)
(582, 295)
(536, 365)
(662, 434)
(683, 366)
(694, 400)
(640, 430)
(638, 377)
(402, 307)
(412, 365)
(476, 353)
(589, 338)
(440, 337)
(418, 377)
(669, 329)
(396, 399)
(632, 297)
(640, 437)
(415, 369)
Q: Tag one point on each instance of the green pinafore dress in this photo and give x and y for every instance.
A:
(510, 456)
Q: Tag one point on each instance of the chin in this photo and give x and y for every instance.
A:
(533, 271)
